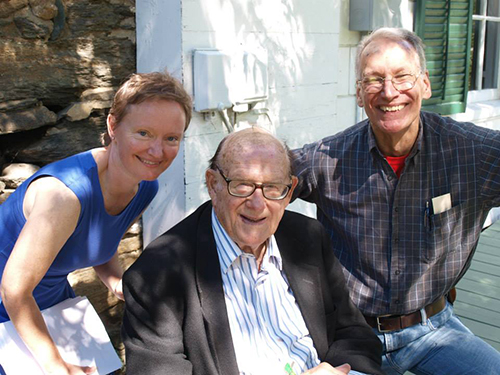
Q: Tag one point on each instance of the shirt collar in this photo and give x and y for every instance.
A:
(272, 254)
(229, 251)
(372, 142)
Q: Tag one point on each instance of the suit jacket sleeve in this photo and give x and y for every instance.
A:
(352, 340)
(152, 327)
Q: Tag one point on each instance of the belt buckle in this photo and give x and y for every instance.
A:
(379, 324)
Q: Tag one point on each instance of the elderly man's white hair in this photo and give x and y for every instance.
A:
(254, 136)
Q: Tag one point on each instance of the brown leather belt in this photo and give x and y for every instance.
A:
(388, 323)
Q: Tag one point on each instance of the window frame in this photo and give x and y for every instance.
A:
(479, 94)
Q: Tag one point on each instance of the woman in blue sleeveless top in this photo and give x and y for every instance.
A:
(73, 213)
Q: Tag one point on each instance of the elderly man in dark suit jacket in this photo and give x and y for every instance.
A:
(241, 286)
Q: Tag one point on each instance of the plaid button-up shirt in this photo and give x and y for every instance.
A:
(398, 255)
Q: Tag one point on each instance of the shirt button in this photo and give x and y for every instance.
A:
(397, 272)
(389, 178)
(397, 302)
(396, 240)
(396, 209)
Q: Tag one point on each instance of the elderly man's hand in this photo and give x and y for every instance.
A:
(327, 369)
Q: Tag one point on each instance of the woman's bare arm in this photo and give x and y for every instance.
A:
(52, 211)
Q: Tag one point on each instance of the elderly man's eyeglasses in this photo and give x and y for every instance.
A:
(244, 189)
(401, 82)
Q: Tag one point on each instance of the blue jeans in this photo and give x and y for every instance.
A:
(442, 345)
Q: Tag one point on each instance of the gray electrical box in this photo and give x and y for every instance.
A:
(368, 15)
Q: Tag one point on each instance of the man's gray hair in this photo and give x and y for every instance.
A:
(396, 35)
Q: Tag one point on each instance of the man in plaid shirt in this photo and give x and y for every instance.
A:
(404, 195)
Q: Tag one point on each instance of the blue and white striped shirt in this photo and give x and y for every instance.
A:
(267, 326)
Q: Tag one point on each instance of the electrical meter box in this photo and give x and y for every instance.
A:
(223, 79)
(368, 15)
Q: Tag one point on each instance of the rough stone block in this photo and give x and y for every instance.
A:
(27, 119)
(18, 104)
(4, 194)
(14, 174)
(8, 7)
(130, 245)
(63, 140)
(100, 93)
(45, 9)
(31, 26)
(135, 229)
(82, 110)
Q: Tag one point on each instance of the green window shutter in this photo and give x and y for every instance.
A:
(445, 27)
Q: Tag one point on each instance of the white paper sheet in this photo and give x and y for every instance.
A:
(78, 333)
(441, 204)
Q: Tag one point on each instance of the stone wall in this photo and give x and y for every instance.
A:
(60, 64)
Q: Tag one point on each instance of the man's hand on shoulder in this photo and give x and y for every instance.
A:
(327, 369)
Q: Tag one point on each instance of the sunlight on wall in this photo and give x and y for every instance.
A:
(301, 41)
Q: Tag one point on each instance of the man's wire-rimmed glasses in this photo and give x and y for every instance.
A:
(244, 189)
(401, 82)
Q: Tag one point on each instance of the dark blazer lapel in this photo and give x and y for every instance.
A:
(305, 282)
(211, 293)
